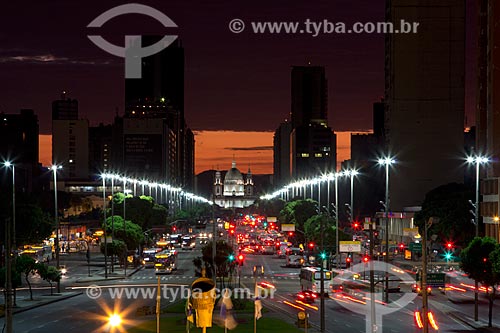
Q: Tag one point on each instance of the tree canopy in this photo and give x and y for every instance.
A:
(480, 260)
(450, 204)
(313, 231)
(131, 233)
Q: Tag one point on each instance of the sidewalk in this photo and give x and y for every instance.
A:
(117, 274)
(480, 325)
(23, 303)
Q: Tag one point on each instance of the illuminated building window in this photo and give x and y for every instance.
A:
(304, 155)
(318, 155)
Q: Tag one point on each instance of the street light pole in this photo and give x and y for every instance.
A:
(477, 160)
(337, 250)
(125, 224)
(386, 293)
(54, 169)
(322, 280)
(105, 226)
(387, 163)
(112, 219)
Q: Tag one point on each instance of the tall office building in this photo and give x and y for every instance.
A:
(306, 146)
(488, 113)
(312, 142)
(281, 154)
(19, 145)
(70, 143)
(365, 150)
(156, 140)
(425, 97)
(309, 96)
(100, 149)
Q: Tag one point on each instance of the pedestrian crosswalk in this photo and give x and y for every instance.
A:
(184, 277)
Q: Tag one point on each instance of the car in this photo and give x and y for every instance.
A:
(416, 288)
(306, 296)
(63, 269)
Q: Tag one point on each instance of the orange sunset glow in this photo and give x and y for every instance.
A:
(216, 150)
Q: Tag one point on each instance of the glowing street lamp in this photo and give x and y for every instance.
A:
(54, 169)
(8, 164)
(387, 162)
(478, 160)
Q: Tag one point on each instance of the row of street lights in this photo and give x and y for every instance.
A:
(294, 188)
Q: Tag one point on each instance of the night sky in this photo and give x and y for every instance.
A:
(233, 81)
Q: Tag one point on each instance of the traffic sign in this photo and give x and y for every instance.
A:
(434, 280)
(350, 246)
(415, 247)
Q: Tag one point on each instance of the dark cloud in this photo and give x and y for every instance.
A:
(249, 148)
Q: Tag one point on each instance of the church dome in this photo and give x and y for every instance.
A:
(233, 176)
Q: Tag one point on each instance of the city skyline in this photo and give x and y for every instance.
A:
(243, 151)
(255, 68)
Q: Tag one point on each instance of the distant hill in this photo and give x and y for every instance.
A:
(204, 182)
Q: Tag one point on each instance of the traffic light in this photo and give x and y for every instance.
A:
(311, 246)
(449, 245)
(401, 247)
(174, 228)
(265, 224)
(241, 259)
(348, 262)
(322, 255)
(355, 225)
(366, 259)
(348, 211)
(230, 257)
(290, 233)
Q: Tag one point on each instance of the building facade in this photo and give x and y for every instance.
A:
(307, 139)
(19, 145)
(488, 113)
(424, 97)
(70, 139)
(156, 139)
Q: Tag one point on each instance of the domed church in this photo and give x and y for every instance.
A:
(235, 191)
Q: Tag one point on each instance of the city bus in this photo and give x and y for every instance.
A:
(310, 279)
(148, 257)
(294, 257)
(166, 262)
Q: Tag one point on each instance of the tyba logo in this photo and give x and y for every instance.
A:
(133, 52)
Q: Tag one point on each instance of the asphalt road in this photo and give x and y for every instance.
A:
(88, 312)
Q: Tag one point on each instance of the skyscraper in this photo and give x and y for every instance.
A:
(309, 96)
(425, 97)
(281, 154)
(19, 145)
(306, 146)
(488, 110)
(156, 140)
(312, 142)
(70, 144)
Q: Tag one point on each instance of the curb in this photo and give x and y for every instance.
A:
(466, 321)
(27, 308)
